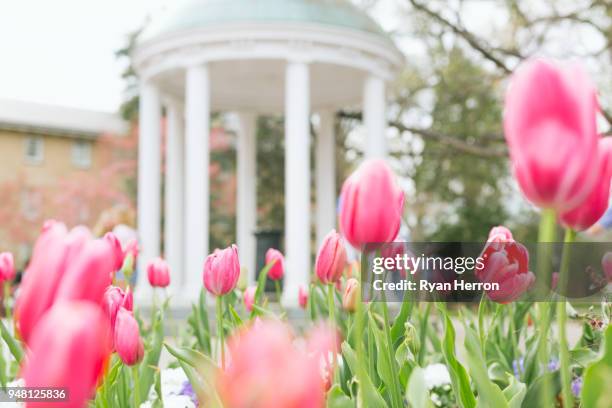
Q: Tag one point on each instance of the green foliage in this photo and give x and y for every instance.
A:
(598, 378)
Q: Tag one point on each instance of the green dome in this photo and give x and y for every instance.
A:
(194, 14)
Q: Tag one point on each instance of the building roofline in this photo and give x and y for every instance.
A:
(34, 117)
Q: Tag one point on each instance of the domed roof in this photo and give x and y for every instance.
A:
(193, 14)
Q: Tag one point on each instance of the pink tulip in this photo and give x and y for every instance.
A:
(277, 270)
(64, 265)
(158, 273)
(68, 349)
(268, 370)
(114, 299)
(550, 128)
(500, 234)
(596, 202)
(331, 258)
(371, 205)
(249, 298)
(606, 265)
(351, 295)
(506, 264)
(7, 267)
(221, 271)
(303, 296)
(117, 250)
(127, 340)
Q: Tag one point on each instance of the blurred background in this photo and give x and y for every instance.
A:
(69, 110)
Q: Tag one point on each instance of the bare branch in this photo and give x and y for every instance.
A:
(451, 141)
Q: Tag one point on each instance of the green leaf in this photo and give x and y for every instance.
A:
(459, 377)
(598, 378)
(417, 393)
(489, 394)
(10, 341)
(366, 391)
(203, 323)
(236, 320)
(383, 365)
(514, 392)
(582, 356)
(150, 362)
(189, 356)
(533, 397)
(400, 320)
(338, 399)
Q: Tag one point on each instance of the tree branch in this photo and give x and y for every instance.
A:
(451, 141)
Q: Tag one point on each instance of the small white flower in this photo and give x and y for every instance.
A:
(172, 380)
(436, 375)
(178, 401)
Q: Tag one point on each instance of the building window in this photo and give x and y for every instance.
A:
(34, 150)
(81, 154)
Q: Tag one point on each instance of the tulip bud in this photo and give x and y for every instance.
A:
(351, 295)
(412, 339)
(303, 296)
(158, 273)
(7, 267)
(249, 298)
(114, 299)
(550, 127)
(371, 205)
(128, 342)
(277, 270)
(117, 250)
(221, 271)
(331, 258)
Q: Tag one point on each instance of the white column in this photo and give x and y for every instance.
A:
(374, 117)
(246, 207)
(149, 182)
(297, 180)
(325, 173)
(174, 190)
(197, 184)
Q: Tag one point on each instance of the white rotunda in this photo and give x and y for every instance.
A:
(251, 57)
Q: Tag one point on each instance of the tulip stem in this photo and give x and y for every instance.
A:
(279, 295)
(220, 330)
(7, 299)
(546, 235)
(331, 304)
(136, 385)
(566, 391)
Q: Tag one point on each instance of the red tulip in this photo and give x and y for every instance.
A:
(550, 127)
(249, 297)
(606, 265)
(7, 267)
(127, 340)
(371, 205)
(68, 349)
(277, 270)
(221, 271)
(331, 258)
(506, 264)
(158, 273)
(64, 265)
(303, 296)
(114, 299)
(268, 370)
(351, 295)
(596, 202)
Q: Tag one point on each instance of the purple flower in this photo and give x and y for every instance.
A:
(518, 366)
(187, 390)
(577, 386)
(553, 365)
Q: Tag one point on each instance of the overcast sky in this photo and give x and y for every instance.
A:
(63, 51)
